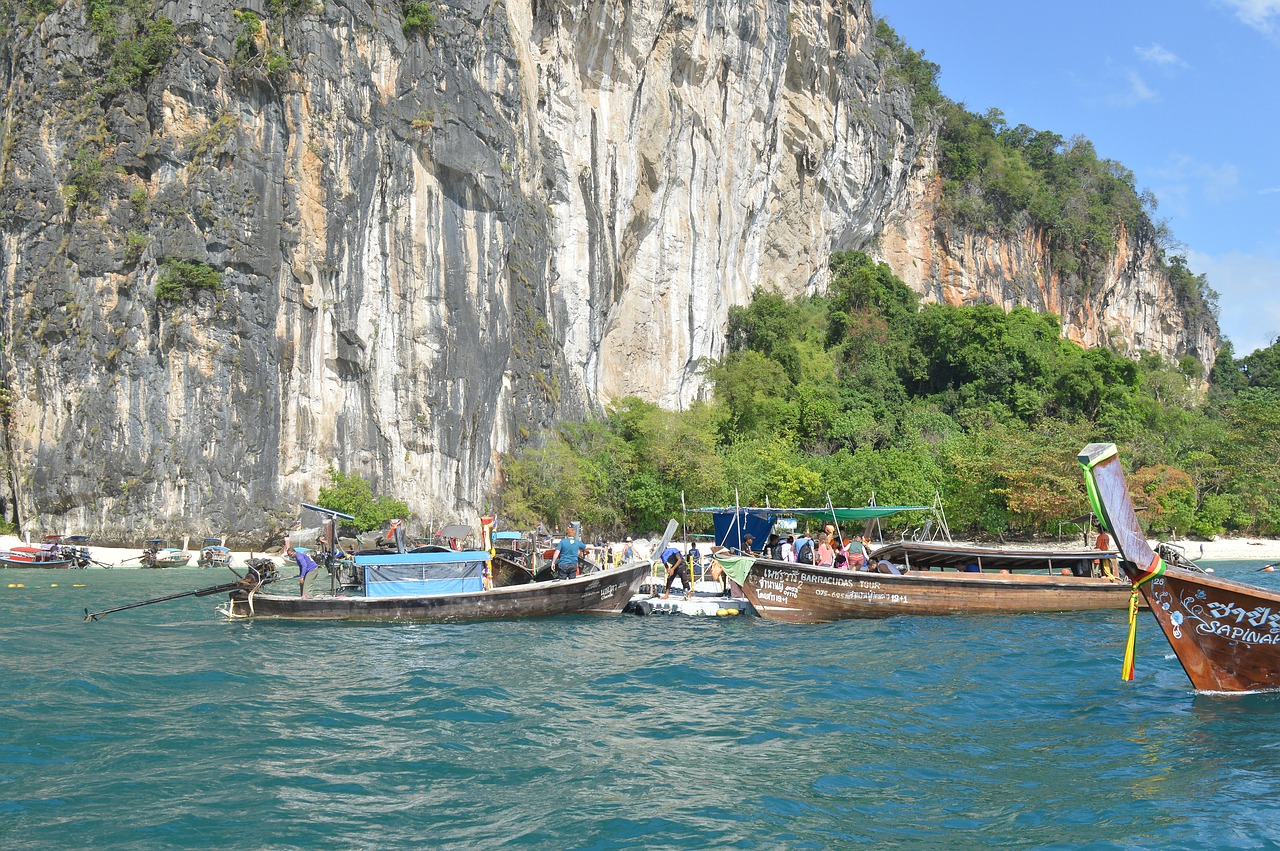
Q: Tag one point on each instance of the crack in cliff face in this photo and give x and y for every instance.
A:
(432, 246)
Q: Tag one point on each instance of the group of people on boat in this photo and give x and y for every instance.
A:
(827, 548)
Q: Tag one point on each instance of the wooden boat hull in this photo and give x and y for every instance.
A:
(596, 593)
(51, 564)
(801, 593)
(169, 561)
(1226, 634)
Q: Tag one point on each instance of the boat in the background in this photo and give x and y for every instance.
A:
(213, 554)
(45, 556)
(1226, 634)
(924, 578)
(156, 554)
(436, 583)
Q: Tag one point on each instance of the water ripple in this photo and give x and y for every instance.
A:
(165, 727)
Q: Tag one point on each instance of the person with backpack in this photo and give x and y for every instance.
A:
(804, 549)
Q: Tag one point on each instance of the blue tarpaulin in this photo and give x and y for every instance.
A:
(423, 574)
(733, 525)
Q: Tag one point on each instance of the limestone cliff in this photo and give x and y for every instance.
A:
(1131, 309)
(428, 244)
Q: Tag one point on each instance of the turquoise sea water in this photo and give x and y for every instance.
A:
(168, 727)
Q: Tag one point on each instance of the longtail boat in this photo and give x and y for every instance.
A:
(156, 555)
(441, 584)
(45, 556)
(805, 593)
(1226, 634)
(213, 554)
(908, 577)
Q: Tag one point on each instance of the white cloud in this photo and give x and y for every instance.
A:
(1248, 287)
(1262, 15)
(1157, 55)
(1137, 92)
(1185, 177)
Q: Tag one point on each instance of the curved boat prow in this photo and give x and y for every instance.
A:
(1225, 634)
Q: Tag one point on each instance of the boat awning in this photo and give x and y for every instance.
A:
(944, 555)
(423, 574)
(734, 524)
(870, 512)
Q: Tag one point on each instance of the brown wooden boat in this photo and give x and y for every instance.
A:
(440, 584)
(1226, 634)
(605, 592)
(802, 593)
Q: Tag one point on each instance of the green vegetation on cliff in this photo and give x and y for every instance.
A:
(997, 178)
(353, 495)
(862, 392)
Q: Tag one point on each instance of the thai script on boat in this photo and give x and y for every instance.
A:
(609, 590)
(780, 588)
(770, 597)
(782, 575)
(1221, 618)
(1256, 616)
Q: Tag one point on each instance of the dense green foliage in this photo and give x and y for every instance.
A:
(863, 392)
(418, 17)
(179, 276)
(911, 68)
(352, 495)
(136, 40)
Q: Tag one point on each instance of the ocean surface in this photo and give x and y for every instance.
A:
(169, 727)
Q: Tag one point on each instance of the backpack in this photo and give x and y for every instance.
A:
(805, 556)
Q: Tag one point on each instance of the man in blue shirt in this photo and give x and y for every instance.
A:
(673, 560)
(306, 564)
(567, 552)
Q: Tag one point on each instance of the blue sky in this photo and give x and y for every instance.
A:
(1184, 93)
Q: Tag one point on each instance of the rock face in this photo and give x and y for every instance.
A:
(431, 244)
(1132, 309)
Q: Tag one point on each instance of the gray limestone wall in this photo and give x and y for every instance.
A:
(428, 245)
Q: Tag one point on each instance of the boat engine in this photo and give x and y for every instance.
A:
(260, 572)
(1173, 555)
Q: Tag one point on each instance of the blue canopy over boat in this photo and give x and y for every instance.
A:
(733, 525)
(423, 574)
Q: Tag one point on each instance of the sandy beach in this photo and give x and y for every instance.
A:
(125, 557)
(1219, 549)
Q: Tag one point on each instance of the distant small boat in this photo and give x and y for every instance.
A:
(1226, 634)
(213, 554)
(159, 556)
(45, 556)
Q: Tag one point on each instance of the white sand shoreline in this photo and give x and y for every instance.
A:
(1262, 550)
(127, 557)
